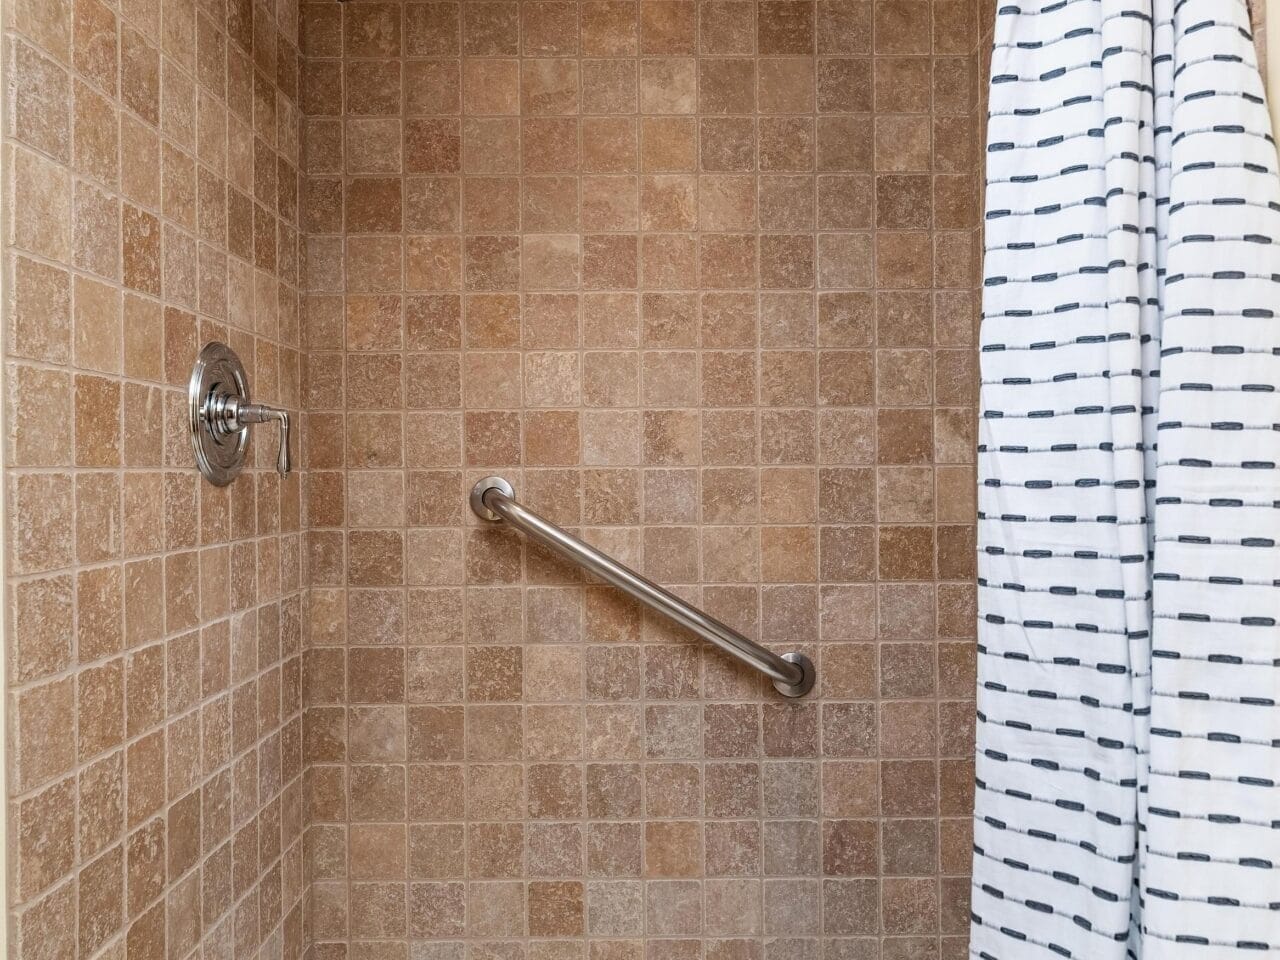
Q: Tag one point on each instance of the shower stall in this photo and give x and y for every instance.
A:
(697, 280)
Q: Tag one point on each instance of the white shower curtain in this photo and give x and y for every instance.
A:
(1128, 758)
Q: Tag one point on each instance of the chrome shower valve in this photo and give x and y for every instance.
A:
(221, 414)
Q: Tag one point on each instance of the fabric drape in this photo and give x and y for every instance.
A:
(1128, 758)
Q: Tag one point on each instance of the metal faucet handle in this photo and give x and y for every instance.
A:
(220, 414)
(261, 413)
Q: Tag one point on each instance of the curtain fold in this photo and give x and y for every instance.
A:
(1128, 760)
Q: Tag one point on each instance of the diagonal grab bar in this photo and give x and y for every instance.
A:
(792, 674)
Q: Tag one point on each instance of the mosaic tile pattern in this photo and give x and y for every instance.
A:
(152, 159)
(700, 279)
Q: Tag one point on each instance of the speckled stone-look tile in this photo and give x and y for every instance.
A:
(698, 276)
(154, 155)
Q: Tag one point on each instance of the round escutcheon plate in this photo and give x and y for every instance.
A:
(480, 489)
(217, 374)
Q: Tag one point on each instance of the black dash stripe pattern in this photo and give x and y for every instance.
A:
(1128, 752)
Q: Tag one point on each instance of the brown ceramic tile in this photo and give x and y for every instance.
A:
(728, 144)
(609, 28)
(667, 27)
(549, 29)
(784, 27)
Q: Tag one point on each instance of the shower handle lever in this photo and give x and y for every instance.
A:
(232, 414)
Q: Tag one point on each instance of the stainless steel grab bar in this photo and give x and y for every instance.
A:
(792, 674)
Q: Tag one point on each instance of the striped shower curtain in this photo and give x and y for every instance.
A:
(1128, 762)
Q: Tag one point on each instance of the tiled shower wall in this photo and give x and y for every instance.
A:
(699, 279)
(151, 155)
